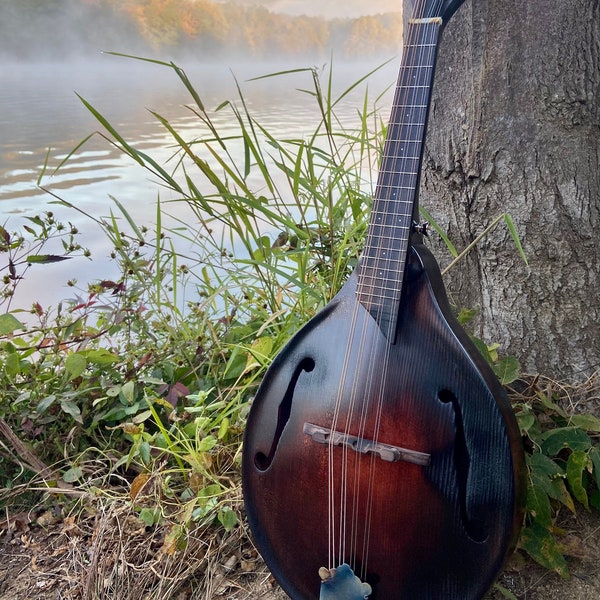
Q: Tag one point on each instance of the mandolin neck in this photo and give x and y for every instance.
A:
(395, 205)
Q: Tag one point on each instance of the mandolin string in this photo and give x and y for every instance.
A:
(337, 558)
(385, 193)
(344, 494)
(406, 165)
(383, 259)
(364, 413)
(371, 387)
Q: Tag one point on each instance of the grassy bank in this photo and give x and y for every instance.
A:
(130, 400)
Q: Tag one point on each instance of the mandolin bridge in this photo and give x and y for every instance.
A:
(386, 452)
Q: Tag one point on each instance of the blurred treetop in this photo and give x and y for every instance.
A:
(205, 29)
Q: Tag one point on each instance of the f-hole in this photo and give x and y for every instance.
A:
(263, 461)
(462, 463)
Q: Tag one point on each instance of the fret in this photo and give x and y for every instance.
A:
(376, 272)
(387, 259)
(386, 287)
(384, 238)
(404, 157)
(399, 187)
(418, 87)
(404, 141)
(410, 129)
(376, 291)
(378, 218)
(388, 247)
(381, 271)
(398, 223)
(410, 105)
(389, 293)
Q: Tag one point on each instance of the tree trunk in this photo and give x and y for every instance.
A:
(515, 128)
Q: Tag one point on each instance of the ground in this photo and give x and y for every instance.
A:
(104, 551)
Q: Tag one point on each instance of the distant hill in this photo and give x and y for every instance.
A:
(203, 29)
(329, 8)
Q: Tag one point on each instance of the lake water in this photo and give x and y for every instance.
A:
(41, 115)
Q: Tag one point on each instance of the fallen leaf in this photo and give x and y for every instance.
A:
(137, 484)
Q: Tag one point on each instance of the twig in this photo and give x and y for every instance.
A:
(24, 456)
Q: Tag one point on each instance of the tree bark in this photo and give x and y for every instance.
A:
(515, 128)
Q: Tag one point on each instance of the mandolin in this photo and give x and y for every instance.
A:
(382, 458)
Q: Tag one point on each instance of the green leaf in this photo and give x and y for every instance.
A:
(144, 451)
(207, 443)
(549, 404)
(538, 505)
(42, 259)
(515, 236)
(466, 315)
(223, 428)
(44, 404)
(127, 392)
(588, 422)
(130, 220)
(208, 494)
(537, 541)
(507, 369)
(439, 231)
(595, 458)
(100, 357)
(236, 364)
(565, 438)
(542, 464)
(75, 365)
(149, 516)
(227, 518)
(12, 364)
(526, 422)
(260, 352)
(71, 409)
(576, 464)
(118, 413)
(9, 323)
(549, 476)
(73, 474)
(483, 349)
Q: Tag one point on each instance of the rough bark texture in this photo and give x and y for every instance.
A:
(515, 127)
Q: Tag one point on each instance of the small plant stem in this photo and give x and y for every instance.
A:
(474, 243)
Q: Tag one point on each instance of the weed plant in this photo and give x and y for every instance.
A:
(151, 375)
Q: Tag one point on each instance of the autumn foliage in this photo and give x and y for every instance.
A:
(204, 28)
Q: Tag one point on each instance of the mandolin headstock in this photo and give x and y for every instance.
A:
(433, 9)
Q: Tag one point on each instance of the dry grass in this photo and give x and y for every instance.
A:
(89, 543)
(104, 551)
(582, 397)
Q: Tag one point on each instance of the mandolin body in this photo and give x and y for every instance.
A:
(440, 530)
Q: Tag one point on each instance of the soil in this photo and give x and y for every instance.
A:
(106, 552)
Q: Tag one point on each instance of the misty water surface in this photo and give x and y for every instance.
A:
(40, 113)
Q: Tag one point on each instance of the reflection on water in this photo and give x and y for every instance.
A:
(42, 121)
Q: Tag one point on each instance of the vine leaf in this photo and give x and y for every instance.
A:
(576, 464)
(9, 323)
(538, 542)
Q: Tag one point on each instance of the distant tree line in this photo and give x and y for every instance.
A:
(60, 29)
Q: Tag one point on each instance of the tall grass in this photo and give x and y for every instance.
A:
(158, 366)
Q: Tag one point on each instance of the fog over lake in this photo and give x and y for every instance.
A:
(41, 115)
